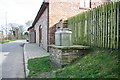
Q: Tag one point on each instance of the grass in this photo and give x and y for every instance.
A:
(6, 41)
(39, 65)
(99, 63)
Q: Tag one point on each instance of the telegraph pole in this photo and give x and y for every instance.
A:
(6, 25)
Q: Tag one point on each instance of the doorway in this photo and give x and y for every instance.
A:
(40, 34)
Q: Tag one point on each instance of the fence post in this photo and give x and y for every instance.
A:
(118, 25)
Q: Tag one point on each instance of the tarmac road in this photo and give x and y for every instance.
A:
(13, 63)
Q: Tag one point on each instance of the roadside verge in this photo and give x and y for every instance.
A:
(32, 50)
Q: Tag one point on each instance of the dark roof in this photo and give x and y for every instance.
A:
(40, 12)
(30, 28)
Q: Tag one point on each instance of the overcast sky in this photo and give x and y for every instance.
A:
(18, 11)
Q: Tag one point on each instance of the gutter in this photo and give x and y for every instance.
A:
(40, 12)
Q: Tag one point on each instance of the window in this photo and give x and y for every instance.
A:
(85, 3)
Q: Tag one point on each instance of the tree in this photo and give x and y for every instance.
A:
(21, 28)
(16, 30)
(5, 30)
(26, 33)
(29, 23)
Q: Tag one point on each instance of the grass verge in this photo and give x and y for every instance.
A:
(39, 65)
(6, 41)
(99, 63)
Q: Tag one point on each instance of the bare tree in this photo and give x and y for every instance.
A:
(5, 30)
(16, 30)
(22, 30)
(29, 23)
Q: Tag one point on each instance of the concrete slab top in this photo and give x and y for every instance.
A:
(69, 47)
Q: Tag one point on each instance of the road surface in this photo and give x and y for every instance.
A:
(12, 62)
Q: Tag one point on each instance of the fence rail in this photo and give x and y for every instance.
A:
(99, 27)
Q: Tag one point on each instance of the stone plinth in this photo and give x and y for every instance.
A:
(64, 55)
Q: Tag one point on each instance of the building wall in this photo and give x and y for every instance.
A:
(95, 3)
(37, 33)
(43, 21)
(58, 9)
(63, 9)
(31, 35)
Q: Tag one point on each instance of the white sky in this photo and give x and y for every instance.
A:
(18, 11)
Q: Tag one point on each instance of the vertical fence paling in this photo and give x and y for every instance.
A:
(99, 27)
(118, 25)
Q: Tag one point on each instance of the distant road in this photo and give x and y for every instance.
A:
(13, 66)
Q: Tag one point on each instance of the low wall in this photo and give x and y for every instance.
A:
(64, 55)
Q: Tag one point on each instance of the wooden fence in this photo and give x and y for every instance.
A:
(98, 27)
